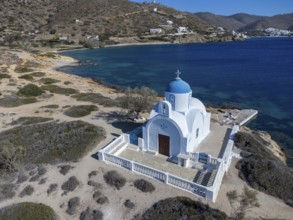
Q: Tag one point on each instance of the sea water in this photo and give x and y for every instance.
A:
(256, 73)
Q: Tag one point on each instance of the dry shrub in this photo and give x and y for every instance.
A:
(70, 184)
(114, 179)
(72, 205)
(144, 185)
(27, 191)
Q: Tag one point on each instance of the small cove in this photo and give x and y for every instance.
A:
(257, 73)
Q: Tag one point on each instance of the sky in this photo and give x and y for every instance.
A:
(229, 7)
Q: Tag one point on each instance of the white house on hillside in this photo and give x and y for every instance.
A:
(176, 125)
(169, 22)
(156, 31)
(182, 29)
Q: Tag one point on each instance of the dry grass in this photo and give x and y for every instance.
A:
(80, 110)
(28, 211)
(47, 142)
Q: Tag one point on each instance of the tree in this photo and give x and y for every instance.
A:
(242, 203)
(138, 99)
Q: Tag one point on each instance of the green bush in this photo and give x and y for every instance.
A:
(59, 90)
(47, 142)
(12, 101)
(114, 179)
(48, 81)
(3, 69)
(27, 191)
(182, 208)
(52, 188)
(73, 203)
(4, 75)
(128, 204)
(38, 74)
(91, 214)
(30, 90)
(144, 185)
(50, 106)
(26, 77)
(23, 69)
(80, 110)
(28, 211)
(32, 64)
(12, 84)
(70, 184)
(7, 191)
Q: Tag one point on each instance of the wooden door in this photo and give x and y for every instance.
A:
(164, 145)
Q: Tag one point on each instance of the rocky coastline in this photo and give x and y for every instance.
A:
(20, 68)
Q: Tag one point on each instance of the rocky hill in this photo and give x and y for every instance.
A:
(234, 22)
(247, 22)
(284, 21)
(77, 20)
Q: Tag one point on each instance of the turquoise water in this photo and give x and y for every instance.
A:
(257, 73)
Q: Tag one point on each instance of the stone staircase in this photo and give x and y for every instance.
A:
(116, 150)
(212, 178)
(205, 178)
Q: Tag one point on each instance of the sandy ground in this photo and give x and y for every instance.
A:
(270, 206)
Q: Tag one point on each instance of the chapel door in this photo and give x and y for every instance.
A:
(164, 145)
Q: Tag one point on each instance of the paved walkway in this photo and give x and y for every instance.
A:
(215, 143)
(245, 116)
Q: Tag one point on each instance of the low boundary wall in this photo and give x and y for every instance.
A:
(209, 193)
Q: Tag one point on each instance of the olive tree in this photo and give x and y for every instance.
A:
(138, 99)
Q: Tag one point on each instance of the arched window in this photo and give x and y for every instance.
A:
(197, 133)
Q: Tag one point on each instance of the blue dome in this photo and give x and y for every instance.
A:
(178, 86)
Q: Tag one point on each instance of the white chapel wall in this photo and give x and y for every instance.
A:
(163, 125)
(181, 100)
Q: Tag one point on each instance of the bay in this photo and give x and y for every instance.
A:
(256, 73)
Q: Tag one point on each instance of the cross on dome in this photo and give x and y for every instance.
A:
(178, 74)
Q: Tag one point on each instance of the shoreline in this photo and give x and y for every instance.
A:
(58, 201)
(115, 45)
(277, 132)
(138, 44)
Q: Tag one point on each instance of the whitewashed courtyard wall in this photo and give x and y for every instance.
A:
(209, 193)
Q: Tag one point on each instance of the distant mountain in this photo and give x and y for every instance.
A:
(77, 19)
(226, 22)
(247, 22)
(283, 21)
(246, 19)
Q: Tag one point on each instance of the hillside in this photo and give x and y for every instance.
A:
(247, 22)
(229, 23)
(284, 21)
(77, 20)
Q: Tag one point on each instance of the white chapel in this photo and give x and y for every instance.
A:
(176, 125)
